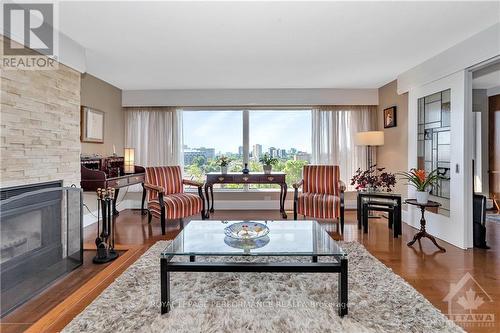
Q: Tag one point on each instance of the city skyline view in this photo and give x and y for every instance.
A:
(281, 129)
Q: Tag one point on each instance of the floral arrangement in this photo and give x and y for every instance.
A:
(419, 179)
(371, 179)
(268, 160)
(223, 161)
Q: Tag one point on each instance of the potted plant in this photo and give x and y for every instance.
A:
(223, 162)
(267, 163)
(373, 179)
(422, 182)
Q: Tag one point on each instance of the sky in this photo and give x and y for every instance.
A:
(223, 130)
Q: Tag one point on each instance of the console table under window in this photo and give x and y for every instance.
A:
(278, 178)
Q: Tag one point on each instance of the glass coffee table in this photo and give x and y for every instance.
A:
(285, 239)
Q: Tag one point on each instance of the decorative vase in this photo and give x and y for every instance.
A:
(223, 169)
(245, 169)
(422, 197)
(267, 169)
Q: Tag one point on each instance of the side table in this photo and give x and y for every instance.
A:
(423, 233)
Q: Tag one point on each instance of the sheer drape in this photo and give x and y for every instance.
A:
(333, 132)
(156, 135)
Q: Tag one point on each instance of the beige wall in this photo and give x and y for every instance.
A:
(103, 96)
(393, 155)
(40, 126)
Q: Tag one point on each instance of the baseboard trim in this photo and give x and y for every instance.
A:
(263, 204)
(90, 217)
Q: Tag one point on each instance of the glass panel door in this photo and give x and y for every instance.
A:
(434, 144)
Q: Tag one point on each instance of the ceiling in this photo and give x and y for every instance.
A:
(243, 45)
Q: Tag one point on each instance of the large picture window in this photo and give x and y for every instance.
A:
(209, 134)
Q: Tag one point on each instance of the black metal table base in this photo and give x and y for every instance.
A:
(339, 267)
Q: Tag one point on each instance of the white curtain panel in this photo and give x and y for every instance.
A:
(156, 135)
(333, 132)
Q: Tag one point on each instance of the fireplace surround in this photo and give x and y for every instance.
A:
(41, 238)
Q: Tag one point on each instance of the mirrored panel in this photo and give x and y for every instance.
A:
(434, 143)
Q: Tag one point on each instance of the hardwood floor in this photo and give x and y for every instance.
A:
(426, 269)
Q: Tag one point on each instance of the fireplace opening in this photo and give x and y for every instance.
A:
(41, 239)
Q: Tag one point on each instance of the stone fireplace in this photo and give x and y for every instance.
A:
(41, 238)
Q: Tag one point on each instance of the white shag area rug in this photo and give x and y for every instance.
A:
(379, 301)
(493, 218)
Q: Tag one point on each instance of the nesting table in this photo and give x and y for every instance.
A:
(380, 201)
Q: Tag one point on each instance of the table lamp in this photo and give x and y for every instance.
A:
(370, 139)
(129, 160)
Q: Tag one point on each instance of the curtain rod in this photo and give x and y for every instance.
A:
(246, 107)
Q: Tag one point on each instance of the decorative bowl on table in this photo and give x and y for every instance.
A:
(247, 244)
(246, 230)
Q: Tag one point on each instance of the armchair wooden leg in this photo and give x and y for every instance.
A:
(295, 210)
(202, 197)
(143, 199)
(162, 221)
(181, 223)
(150, 216)
(342, 220)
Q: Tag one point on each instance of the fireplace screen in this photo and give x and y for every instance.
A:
(41, 239)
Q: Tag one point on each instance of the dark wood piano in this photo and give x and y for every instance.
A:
(99, 172)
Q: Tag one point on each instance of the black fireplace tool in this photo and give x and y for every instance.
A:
(105, 241)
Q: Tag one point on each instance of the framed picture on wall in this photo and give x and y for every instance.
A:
(92, 125)
(390, 117)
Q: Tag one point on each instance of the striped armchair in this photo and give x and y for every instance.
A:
(322, 195)
(167, 200)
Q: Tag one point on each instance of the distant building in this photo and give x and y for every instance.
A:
(293, 151)
(273, 152)
(209, 152)
(191, 153)
(302, 156)
(240, 150)
(257, 151)
(282, 153)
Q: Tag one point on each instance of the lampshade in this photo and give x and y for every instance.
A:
(129, 160)
(370, 138)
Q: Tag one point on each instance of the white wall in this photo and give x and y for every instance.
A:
(478, 48)
(250, 97)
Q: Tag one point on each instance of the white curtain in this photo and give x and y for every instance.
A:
(156, 135)
(333, 132)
